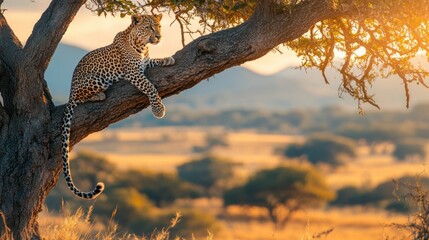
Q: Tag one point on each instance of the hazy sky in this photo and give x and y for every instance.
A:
(89, 31)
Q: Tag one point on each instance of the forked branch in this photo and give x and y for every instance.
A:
(49, 30)
(10, 46)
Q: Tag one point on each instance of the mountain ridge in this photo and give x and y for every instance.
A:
(239, 87)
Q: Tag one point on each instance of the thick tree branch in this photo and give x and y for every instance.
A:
(7, 86)
(49, 30)
(10, 47)
(197, 61)
(31, 92)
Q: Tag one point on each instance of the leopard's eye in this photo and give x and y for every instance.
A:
(151, 27)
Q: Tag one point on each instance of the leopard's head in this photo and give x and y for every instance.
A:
(146, 29)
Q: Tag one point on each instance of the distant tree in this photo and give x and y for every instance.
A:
(374, 132)
(410, 148)
(161, 188)
(294, 150)
(349, 196)
(279, 190)
(211, 142)
(212, 173)
(385, 195)
(323, 148)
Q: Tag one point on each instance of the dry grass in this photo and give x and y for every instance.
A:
(350, 224)
(79, 226)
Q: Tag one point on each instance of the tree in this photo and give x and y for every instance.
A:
(282, 191)
(212, 141)
(328, 149)
(212, 173)
(410, 148)
(161, 188)
(385, 195)
(373, 37)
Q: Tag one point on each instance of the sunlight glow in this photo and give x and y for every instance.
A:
(88, 31)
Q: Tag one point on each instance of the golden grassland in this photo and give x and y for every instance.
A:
(334, 224)
(79, 226)
(162, 149)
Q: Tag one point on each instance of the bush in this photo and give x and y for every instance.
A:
(161, 188)
(322, 148)
(410, 149)
(212, 173)
(399, 207)
(350, 195)
(384, 195)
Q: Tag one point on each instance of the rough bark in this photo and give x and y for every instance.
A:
(25, 119)
(30, 161)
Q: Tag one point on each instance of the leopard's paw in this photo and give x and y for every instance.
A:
(169, 61)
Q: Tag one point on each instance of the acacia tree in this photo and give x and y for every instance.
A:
(323, 148)
(374, 37)
(282, 191)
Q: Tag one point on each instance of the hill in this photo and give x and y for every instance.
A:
(239, 87)
(60, 71)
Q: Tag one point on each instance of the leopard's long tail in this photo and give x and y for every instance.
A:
(65, 140)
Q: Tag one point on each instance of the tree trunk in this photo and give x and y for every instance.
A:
(26, 177)
(30, 161)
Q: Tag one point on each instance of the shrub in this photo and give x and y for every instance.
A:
(409, 149)
(212, 173)
(322, 148)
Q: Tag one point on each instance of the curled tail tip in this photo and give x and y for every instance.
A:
(99, 187)
(158, 111)
(94, 194)
(160, 115)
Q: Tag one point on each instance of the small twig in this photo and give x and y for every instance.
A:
(182, 33)
(323, 234)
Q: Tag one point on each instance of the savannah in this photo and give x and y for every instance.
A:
(292, 119)
(255, 151)
(162, 149)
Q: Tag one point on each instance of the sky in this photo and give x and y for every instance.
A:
(89, 32)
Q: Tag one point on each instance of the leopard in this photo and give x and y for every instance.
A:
(126, 58)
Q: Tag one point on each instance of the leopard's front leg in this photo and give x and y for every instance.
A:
(139, 80)
(153, 62)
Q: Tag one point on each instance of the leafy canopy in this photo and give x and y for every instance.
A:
(372, 39)
(208, 172)
(280, 186)
(323, 148)
(289, 188)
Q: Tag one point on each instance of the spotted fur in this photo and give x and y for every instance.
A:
(126, 58)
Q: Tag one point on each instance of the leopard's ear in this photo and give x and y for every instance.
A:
(136, 19)
(158, 16)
